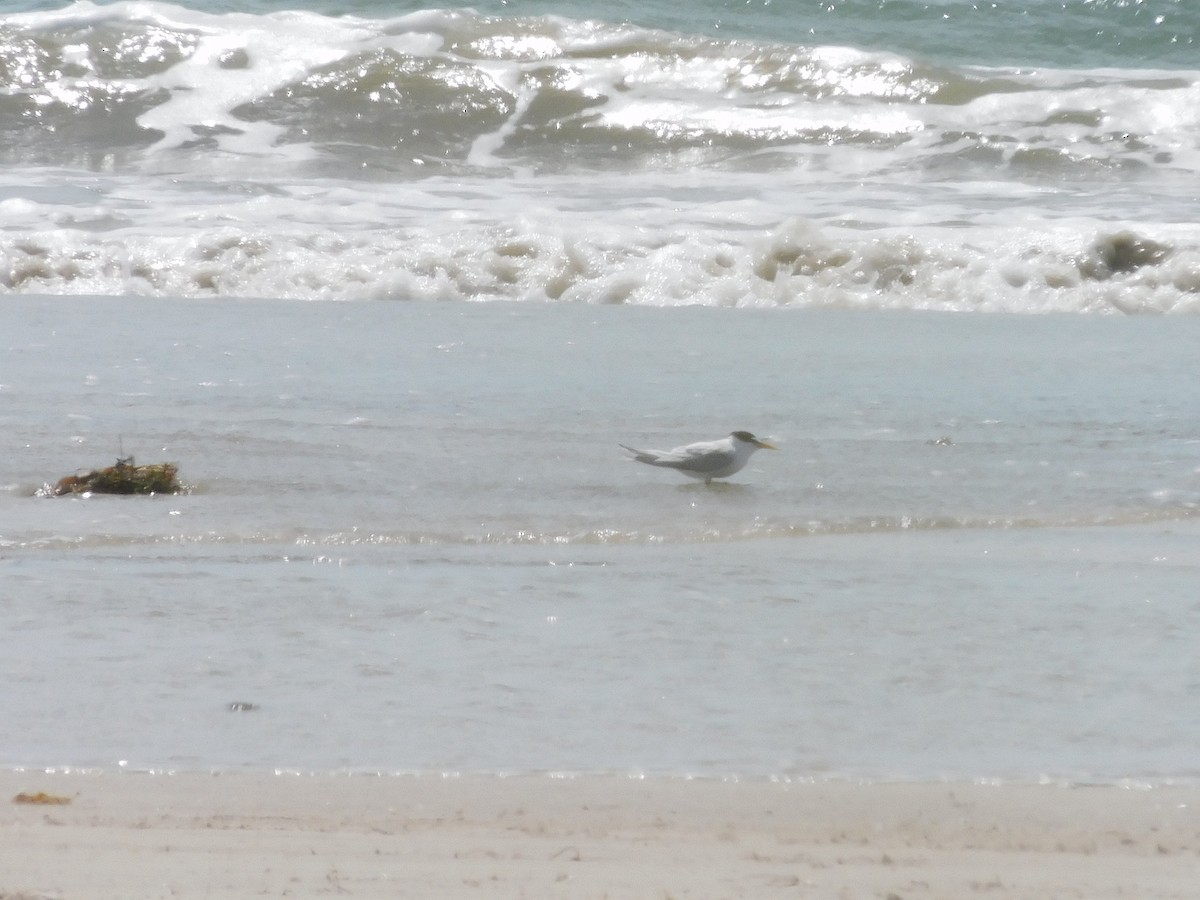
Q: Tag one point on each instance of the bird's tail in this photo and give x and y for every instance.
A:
(640, 455)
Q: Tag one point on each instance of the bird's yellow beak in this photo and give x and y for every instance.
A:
(765, 445)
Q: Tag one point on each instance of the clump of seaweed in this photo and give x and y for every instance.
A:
(122, 478)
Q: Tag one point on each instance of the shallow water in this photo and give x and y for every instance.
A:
(412, 542)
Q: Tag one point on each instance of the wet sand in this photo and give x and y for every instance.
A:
(131, 836)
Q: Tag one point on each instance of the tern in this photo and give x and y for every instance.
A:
(706, 459)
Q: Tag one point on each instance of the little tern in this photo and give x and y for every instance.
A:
(706, 459)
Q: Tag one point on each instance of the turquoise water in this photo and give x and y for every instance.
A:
(1072, 34)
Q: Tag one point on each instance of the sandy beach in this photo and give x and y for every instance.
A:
(131, 836)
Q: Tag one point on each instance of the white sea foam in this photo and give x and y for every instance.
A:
(267, 245)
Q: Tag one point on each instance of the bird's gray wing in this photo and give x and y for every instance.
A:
(700, 459)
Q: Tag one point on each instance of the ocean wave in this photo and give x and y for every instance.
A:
(154, 86)
(452, 155)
